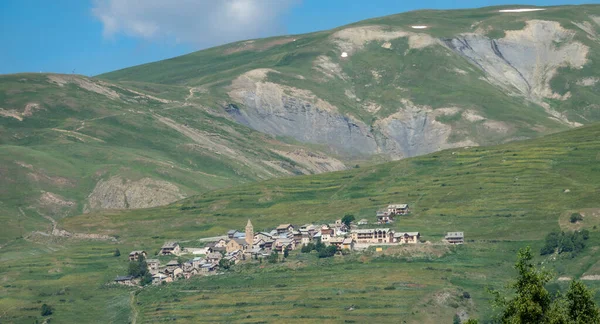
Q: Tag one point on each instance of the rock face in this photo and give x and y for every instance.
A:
(524, 61)
(119, 193)
(285, 111)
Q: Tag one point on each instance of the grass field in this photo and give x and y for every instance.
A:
(503, 198)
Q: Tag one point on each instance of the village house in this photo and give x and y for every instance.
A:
(348, 244)
(135, 255)
(177, 273)
(125, 280)
(336, 241)
(363, 222)
(214, 257)
(306, 237)
(158, 278)
(283, 228)
(153, 265)
(208, 268)
(221, 243)
(187, 266)
(297, 237)
(262, 236)
(231, 233)
(237, 245)
(455, 237)
(384, 217)
(170, 248)
(373, 236)
(407, 237)
(197, 261)
(398, 209)
(283, 243)
(172, 265)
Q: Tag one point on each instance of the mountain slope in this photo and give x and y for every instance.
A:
(503, 197)
(471, 77)
(71, 144)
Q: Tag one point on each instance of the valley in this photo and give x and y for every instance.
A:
(485, 121)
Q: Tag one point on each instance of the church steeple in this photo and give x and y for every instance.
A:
(249, 233)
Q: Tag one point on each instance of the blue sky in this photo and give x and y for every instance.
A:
(95, 36)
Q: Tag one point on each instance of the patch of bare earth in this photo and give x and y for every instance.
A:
(313, 162)
(28, 111)
(352, 39)
(251, 45)
(98, 87)
(330, 69)
(120, 193)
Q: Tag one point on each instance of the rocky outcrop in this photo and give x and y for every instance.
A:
(524, 61)
(120, 193)
(285, 111)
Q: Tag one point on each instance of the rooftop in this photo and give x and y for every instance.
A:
(170, 245)
(455, 235)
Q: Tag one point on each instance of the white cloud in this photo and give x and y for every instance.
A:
(201, 22)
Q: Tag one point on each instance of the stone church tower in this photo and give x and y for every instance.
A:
(249, 233)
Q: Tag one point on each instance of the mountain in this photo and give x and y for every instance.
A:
(71, 144)
(407, 84)
(503, 197)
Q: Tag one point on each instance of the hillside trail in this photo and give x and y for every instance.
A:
(134, 311)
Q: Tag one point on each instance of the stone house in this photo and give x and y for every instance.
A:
(172, 265)
(384, 217)
(158, 278)
(455, 237)
(363, 222)
(407, 237)
(135, 255)
(398, 209)
(237, 245)
(125, 280)
(214, 257)
(284, 228)
(153, 265)
(170, 248)
(348, 244)
(373, 236)
(208, 268)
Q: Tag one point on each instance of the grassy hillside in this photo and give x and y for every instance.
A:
(70, 144)
(503, 197)
(393, 68)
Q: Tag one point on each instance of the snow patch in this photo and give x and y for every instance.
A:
(419, 27)
(521, 10)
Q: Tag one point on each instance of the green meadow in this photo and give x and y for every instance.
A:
(503, 197)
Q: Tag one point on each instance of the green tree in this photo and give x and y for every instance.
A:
(348, 219)
(224, 264)
(532, 301)
(117, 253)
(138, 268)
(286, 252)
(328, 251)
(46, 310)
(456, 319)
(580, 304)
(274, 257)
(576, 217)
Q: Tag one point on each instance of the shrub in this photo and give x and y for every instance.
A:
(576, 217)
(46, 310)
(117, 253)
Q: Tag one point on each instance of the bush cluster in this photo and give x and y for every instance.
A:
(562, 242)
(324, 251)
(139, 269)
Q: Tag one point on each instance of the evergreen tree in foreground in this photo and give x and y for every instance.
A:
(532, 303)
